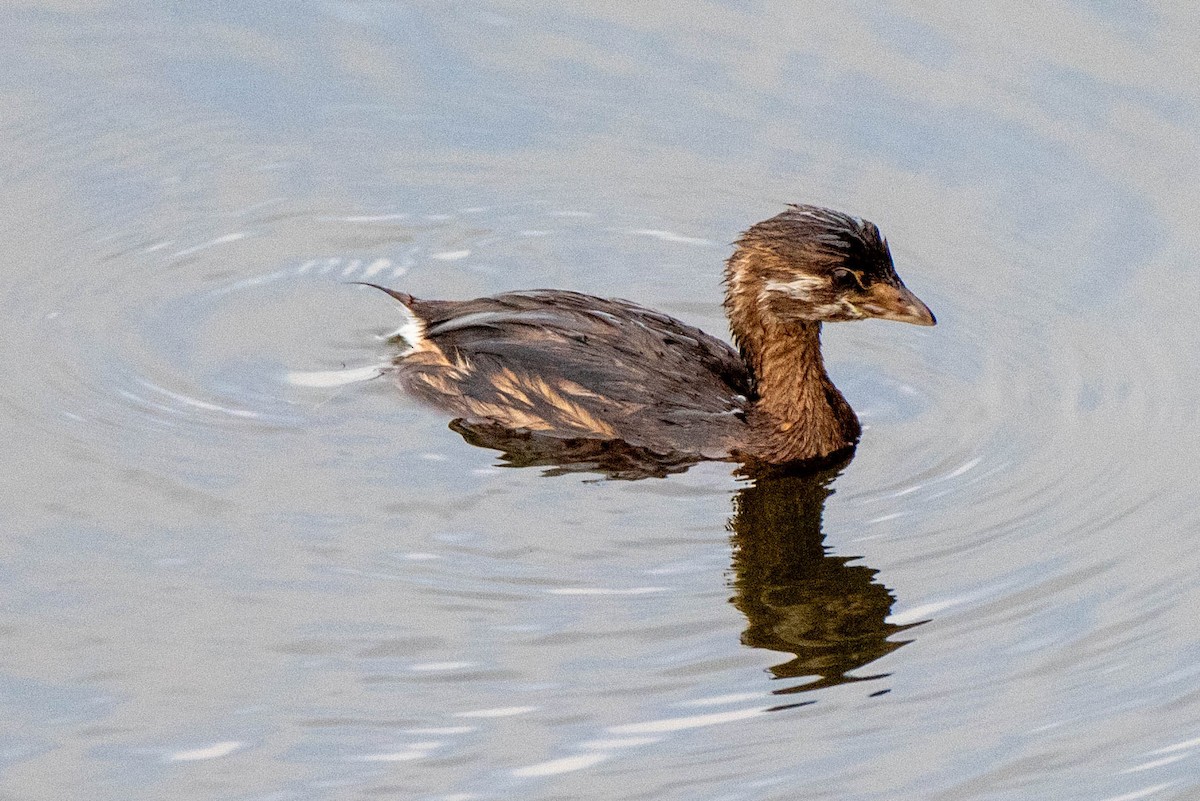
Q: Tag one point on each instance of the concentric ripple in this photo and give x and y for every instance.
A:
(190, 336)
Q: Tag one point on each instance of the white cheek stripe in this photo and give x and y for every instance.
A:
(843, 307)
(800, 288)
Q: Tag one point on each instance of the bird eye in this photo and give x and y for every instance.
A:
(846, 279)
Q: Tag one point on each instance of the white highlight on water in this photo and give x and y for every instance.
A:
(498, 712)
(431, 667)
(1158, 763)
(220, 240)
(964, 468)
(671, 236)
(1186, 745)
(450, 255)
(556, 766)
(923, 611)
(412, 751)
(372, 218)
(605, 590)
(441, 731)
(616, 743)
(399, 756)
(717, 700)
(691, 722)
(190, 401)
(926, 610)
(376, 267)
(602, 748)
(1149, 791)
(214, 751)
(326, 379)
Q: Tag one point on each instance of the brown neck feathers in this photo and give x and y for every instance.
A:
(799, 414)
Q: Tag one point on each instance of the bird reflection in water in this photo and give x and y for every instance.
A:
(798, 597)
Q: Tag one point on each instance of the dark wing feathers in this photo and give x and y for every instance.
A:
(644, 376)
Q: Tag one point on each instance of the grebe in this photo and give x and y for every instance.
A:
(578, 375)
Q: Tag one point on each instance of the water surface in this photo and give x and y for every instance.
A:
(219, 581)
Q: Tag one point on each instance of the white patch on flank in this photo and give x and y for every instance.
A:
(799, 288)
(412, 331)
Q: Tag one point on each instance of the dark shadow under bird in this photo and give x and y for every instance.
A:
(552, 377)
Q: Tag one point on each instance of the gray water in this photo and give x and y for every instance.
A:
(222, 577)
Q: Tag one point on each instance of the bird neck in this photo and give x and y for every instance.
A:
(799, 413)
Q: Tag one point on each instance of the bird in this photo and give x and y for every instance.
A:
(554, 376)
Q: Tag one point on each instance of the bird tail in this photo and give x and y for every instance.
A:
(413, 329)
(403, 297)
